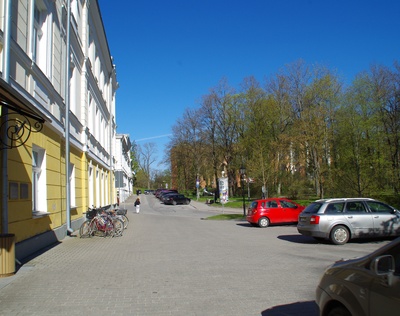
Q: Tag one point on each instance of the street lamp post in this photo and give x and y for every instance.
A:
(242, 173)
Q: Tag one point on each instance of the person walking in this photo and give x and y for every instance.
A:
(137, 205)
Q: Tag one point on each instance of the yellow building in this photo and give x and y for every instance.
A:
(58, 128)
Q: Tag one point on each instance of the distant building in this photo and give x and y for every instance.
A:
(57, 92)
(123, 169)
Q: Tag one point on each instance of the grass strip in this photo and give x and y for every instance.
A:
(225, 217)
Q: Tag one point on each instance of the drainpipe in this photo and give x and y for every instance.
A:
(67, 139)
(111, 183)
(4, 114)
(112, 167)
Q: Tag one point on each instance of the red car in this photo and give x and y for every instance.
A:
(273, 211)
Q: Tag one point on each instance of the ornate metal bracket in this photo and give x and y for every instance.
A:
(17, 126)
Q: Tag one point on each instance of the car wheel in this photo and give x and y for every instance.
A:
(174, 203)
(339, 311)
(263, 222)
(339, 235)
(187, 202)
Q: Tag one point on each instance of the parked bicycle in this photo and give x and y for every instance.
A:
(114, 210)
(101, 223)
(120, 214)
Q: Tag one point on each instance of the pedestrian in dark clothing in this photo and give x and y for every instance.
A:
(137, 205)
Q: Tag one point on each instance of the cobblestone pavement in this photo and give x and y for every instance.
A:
(171, 262)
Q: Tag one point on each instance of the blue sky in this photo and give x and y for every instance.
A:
(168, 54)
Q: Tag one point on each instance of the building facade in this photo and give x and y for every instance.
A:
(57, 97)
(123, 167)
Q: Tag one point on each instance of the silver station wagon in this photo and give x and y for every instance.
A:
(340, 220)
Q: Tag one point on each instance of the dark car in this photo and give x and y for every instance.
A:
(369, 285)
(165, 193)
(175, 199)
(273, 211)
(159, 193)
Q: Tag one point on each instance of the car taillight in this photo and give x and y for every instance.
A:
(314, 219)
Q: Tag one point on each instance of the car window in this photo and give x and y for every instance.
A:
(254, 205)
(355, 207)
(285, 203)
(395, 252)
(379, 207)
(333, 208)
(272, 204)
(313, 208)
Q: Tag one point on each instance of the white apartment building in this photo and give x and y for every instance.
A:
(57, 96)
(123, 168)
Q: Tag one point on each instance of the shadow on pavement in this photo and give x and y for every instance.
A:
(295, 309)
(300, 239)
(244, 224)
(24, 261)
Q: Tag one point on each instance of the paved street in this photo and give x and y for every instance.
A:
(172, 262)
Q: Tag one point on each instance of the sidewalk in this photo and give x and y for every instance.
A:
(102, 276)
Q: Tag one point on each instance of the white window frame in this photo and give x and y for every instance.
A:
(72, 186)
(42, 37)
(91, 187)
(73, 90)
(98, 202)
(39, 182)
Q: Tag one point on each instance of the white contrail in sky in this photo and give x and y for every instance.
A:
(154, 137)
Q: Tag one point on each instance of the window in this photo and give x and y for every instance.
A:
(91, 186)
(72, 184)
(272, 204)
(39, 191)
(287, 204)
(254, 204)
(73, 91)
(18, 191)
(98, 189)
(355, 207)
(102, 193)
(90, 113)
(107, 189)
(41, 35)
(395, 252)
(23, 191)
(334, 208)
(76, 16)
(13, 191)
(313, 208)
(377, 207)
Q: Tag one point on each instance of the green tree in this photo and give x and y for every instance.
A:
(315, 96)
(146, 156)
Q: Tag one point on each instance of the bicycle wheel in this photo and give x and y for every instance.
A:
(85, 230)
(125, 220)
(118, 227)
(95, 228)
